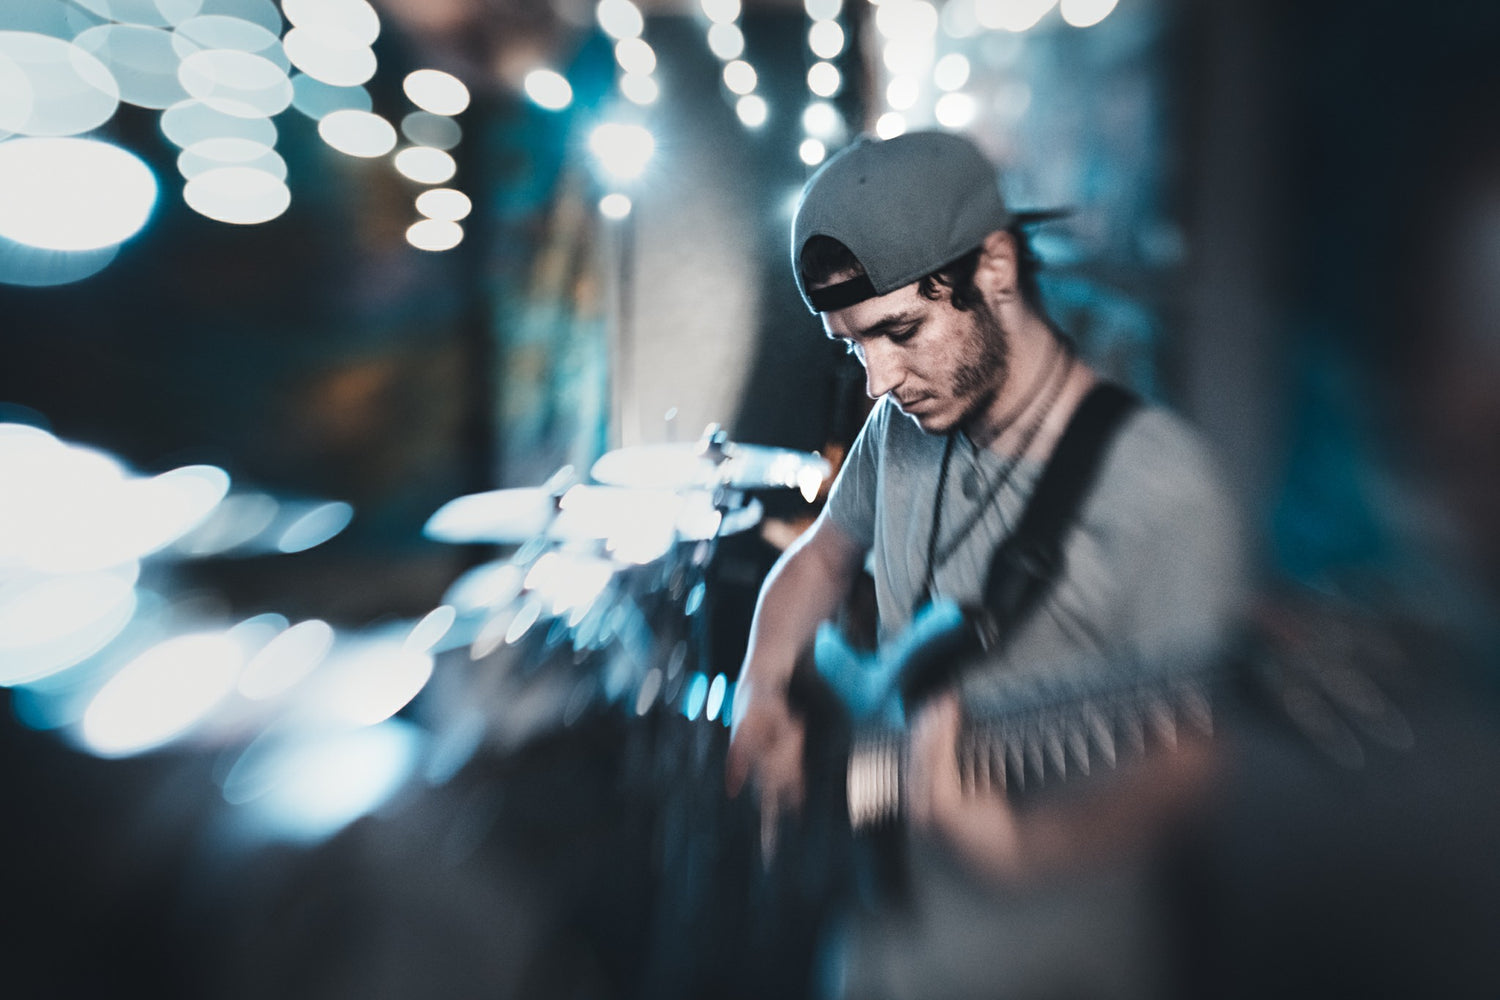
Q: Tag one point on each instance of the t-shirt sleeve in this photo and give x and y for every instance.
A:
(851, 500)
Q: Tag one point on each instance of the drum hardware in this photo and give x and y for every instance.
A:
(612, 575)
(712, 461)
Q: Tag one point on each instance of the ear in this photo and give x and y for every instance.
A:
(996, 272)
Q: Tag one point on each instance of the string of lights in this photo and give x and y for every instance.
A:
(220, 72)
(822, 125)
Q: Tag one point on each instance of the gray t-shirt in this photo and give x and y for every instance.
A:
(1153, 571)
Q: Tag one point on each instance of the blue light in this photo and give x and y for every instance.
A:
(697, 693)
(305, 787)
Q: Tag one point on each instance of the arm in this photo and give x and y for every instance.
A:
(803, 590)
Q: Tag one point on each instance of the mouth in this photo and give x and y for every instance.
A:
(912, 405)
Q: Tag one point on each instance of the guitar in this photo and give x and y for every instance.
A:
(1067, 728)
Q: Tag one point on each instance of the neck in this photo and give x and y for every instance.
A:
(1042, 385)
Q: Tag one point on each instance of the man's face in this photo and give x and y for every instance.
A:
(943, 366)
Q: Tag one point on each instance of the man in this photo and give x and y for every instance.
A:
(907, 252)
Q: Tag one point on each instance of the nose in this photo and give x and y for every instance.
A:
(883, 369)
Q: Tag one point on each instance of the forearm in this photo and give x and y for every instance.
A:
(805, 588)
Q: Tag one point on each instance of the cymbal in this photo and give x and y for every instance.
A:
(699, 520)
(687, 466)
(626, 518)
(504, 517)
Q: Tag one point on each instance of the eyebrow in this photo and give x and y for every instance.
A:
(883, 326)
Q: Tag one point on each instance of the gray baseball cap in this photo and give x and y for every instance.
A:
(905, 207)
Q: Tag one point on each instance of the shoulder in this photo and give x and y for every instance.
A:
(1156, 436)
(1160, 465)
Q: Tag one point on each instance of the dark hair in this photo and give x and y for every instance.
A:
(824, 257)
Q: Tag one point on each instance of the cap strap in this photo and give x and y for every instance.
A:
(831, 298)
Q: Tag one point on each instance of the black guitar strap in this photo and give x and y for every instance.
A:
(1027, 564)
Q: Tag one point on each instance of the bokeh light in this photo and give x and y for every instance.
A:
(956, 110)
(239, 83)
(1086, 13)
(826, 39)
(162, 693)
(635, 56)
(549, 89)
(72, 194)
(435, 91)
(349, 23)
(237, 522)
(721, 11)
(156, 13)
(715, 701)
(308, 785)
(426, 634)
(444, 204)
(1012, 15)
(726, 41)
(425, 165)
(424, 128)
(619, 18)
(286, 660)
(335, 65)
(622, 149)
(367, 680)
(216, 31)
(238, 195)
(752, 110)
(890, 124)
(615, 205)
(358, 133)
(951, 71)
(317, 524)
(901, 93)
(739, 76)
(434, 235)
(639, 89)
(823, 79)
(142, 60)
(50, 622)
(211, 154)
(193, 121)
(52, 87)
(821, 120)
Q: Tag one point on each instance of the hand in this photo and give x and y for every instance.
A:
(765, 749)
(980, 827)
(1122, 816)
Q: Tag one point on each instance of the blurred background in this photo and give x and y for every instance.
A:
(279, 281)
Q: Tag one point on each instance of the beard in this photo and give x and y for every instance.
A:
(979, 380)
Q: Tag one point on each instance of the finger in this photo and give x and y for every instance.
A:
(943, 735)
(736, 768)
(791, 778)
(769, 818)
(746, 744)
(933, 780)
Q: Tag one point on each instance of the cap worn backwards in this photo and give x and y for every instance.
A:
(905, 207)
